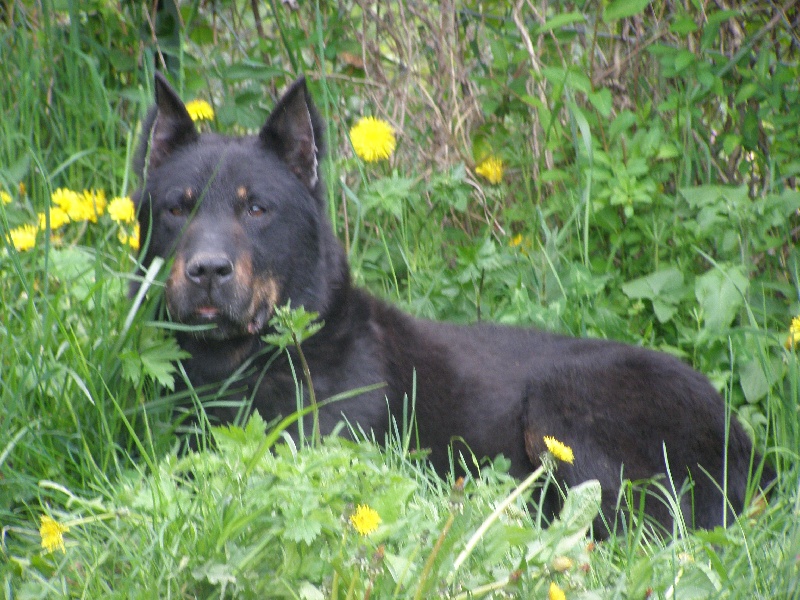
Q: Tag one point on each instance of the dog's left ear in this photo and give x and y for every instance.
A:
(167, 127)
(294, 131)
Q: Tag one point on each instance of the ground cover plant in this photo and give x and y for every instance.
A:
(626, 170)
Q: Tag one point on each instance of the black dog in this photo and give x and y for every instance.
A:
(245, 220)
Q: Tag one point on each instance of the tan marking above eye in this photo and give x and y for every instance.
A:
(241, 192)
(188, 193)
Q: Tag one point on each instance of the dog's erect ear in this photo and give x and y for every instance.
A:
(167, 127)
(293, 131)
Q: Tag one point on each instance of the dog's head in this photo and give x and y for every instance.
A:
(242, 218)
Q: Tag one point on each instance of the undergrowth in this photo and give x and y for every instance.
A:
(648, 194)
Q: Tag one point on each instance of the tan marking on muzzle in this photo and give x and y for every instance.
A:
(175, 281)
(265, 291)
(243, 272)
(176, 272)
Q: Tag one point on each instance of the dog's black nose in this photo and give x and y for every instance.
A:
(209, 269)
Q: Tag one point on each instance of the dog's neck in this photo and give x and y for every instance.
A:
(220, 358)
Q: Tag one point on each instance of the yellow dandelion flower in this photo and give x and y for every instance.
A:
(555, 592)
(52, 533)
(23, 237)
(94, 203)
(794, 334)
(492, 169)
(560, 451)
(200, 110)
(373, 139)
(131, 239)
(516, 240)
(58, 218)
(365, 520)
(69, 201)
(122, 210)
(5, 197)
(22, 189)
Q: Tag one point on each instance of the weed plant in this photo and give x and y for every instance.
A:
(648, 193)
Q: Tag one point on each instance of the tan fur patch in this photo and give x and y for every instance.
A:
(534, 446)
(264, 290)
(176, 273)
(188, 193)
(175, 282)
(265, 293)
(243, 272)
(241, 192)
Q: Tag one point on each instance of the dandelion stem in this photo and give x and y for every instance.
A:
(312, 397)
(476, 537)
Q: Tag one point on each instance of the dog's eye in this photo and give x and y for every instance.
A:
(176, 211)
(254, 210)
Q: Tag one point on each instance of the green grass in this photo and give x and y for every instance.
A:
(660, 208)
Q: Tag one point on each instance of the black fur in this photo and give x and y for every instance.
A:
(245, 220)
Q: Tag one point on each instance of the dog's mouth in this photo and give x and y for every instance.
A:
(225, 326)
(206, 313)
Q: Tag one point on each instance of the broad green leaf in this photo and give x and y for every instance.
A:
(620, 9)
(667, 281)
(581, 506)
(684, 59)
(602, 101)
(721, 295)
(664, 311)
(665, 289)
(683, 26)
(307, 591)
(756, 378)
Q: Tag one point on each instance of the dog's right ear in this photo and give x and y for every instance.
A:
(167, 127)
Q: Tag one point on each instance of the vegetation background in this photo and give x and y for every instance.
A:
(651, 157)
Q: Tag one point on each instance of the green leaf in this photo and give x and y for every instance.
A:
(757, 378)
(721, 295)
(684, 59)
(292, 324)
(572, 78)
(665, 282)
(581, 506)
(307, 591)
(602, 101)
(154, 358)
(158, 361)
(215, 573)
(304, 529)
(583, 126)
(750, 130)
(620, 9)
(664, 311)
(76, 267)
(389, 194)
(561, 20)
(683, 26)
(665, 289)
